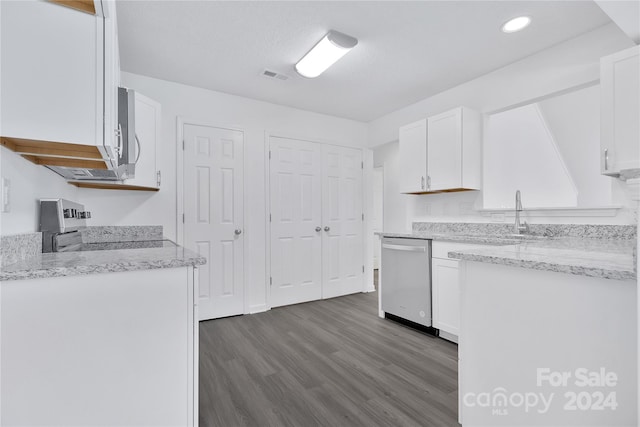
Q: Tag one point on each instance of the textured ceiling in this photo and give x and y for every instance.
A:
(407, 51)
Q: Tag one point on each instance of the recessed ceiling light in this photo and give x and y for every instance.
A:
(325, 53)
(516, 24)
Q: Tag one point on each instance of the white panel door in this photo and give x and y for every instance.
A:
(213, 223)
(296, 236)
(342, 246)
(377, 215)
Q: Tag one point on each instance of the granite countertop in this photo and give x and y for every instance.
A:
(608, 259)
(164, 255)
(612, 258)
(485, 239)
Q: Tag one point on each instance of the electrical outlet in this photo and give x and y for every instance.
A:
(6, 195)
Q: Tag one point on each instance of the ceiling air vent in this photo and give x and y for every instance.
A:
(273, 75)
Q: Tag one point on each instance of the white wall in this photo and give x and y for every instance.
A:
(394, 215)
(254, 118)
(29, 183)
(566, 65)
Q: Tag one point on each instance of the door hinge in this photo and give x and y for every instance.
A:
(363, 217)
(183, 145)
(269, 154)
(183, 218)
(269, 217)
(270, 281)
(361, 165)
(363, 268)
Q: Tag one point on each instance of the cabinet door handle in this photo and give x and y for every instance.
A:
(318, 229)
(158, 178)
(404, 248)
(428, 182)
(606, 159)
(327, 228)
(422, 182)
(238, 232)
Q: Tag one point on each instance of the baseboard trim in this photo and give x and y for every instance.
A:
(258, 309)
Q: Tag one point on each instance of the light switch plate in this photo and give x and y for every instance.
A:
(6, 195)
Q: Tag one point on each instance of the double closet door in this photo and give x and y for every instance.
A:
(316, 220)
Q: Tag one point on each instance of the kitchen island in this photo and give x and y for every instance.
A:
(548, 333)
(100, 337)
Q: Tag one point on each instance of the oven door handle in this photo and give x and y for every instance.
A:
(404, 248)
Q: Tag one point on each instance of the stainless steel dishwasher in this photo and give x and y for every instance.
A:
(406, 279)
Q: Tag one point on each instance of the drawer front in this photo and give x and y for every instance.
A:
(441, 249)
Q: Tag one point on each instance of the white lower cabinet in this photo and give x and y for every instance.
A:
(446, 295)
(101, 349)
(445, 288)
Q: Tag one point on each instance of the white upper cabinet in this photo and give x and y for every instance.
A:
(620, 109)
(413, 157)
(54, 65)
(111, 71)
(454, 154)
(442, 153)
(148, 120)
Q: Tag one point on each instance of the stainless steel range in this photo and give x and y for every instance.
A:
(61, 222)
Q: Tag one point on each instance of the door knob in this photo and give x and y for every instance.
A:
(327, 228)
(238, 232)
(318, 228)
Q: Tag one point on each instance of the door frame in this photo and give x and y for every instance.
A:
(181, 121)
(367, 204)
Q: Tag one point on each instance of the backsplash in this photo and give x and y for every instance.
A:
(19, 247)
(124, 233)
(592, 231)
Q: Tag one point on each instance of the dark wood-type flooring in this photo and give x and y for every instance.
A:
(325, 363)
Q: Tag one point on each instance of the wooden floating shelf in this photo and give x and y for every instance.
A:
(111, 186)
(66, 162)
(449, 190)
(86, 6)
(50, 153)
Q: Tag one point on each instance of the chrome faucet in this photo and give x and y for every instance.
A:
(520, 228)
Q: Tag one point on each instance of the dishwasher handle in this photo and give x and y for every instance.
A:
(404, 248)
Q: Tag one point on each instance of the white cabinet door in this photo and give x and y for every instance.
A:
(214, 216)
(103, 349)
(51, 80)
(342, 245)
(148, 128)
(413, 157)
(620, 109)
(454, 150)
(444, 158)
(446, 295)
(296, 220)
(111, 64)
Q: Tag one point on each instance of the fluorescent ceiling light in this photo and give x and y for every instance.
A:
(516, 24)
(325, 53)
